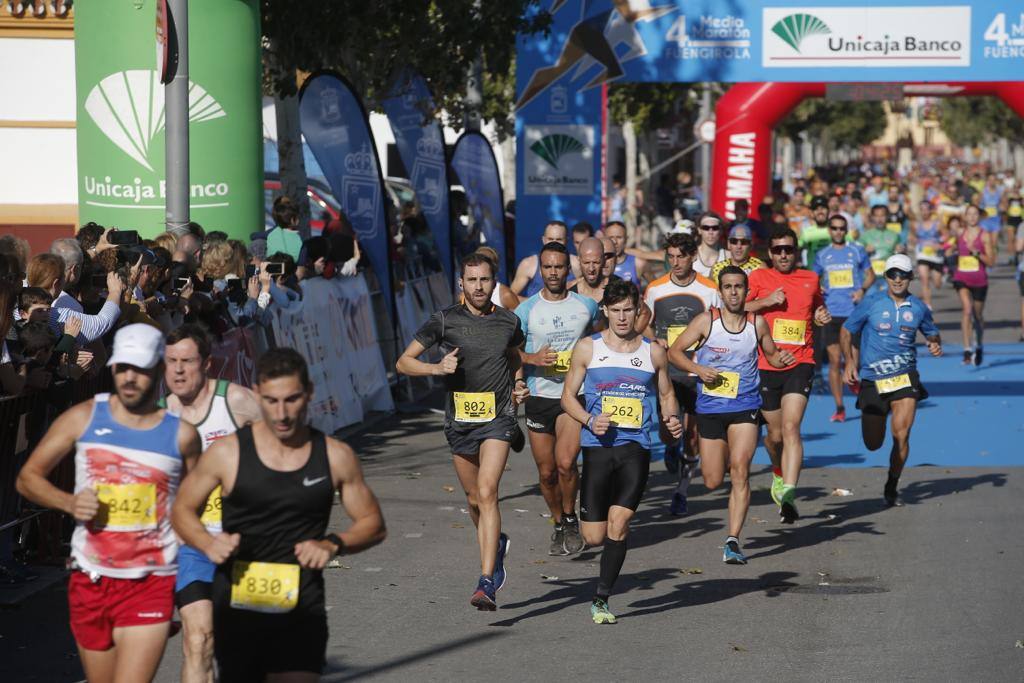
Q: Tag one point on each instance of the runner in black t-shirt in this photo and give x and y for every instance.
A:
(484, 383)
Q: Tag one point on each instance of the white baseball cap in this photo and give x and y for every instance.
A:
(139, 344)
(684, 226)
(899, 262)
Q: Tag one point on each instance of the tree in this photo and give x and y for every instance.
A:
(844, 124)
(651, 105)
(972, 121)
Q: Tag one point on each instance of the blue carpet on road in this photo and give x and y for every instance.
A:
(973, 417)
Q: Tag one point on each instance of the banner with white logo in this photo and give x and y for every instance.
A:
(559, 159)
(333, 328)
(337, 130)
(474, 163)
(420, 143)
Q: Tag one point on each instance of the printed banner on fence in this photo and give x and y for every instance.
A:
(474, 163)
(333, 328)
(420, 143)
(335, 126)
(233, 357)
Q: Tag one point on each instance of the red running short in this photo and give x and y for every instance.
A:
(98, 608)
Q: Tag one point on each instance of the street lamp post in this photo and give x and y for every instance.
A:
(176, 113)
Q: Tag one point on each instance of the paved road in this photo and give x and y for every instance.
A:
(853, 591)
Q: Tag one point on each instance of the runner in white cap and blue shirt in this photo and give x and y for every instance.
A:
(885, 364)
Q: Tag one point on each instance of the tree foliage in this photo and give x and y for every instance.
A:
(368, 40)
(971, 121)
(651, 105)
(844, 124)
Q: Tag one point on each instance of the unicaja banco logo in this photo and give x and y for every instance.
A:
(794, 28)
(553, 147)
(128, 107)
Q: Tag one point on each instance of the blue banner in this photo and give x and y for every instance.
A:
(474, 163)
(337, 130)
(420, 143)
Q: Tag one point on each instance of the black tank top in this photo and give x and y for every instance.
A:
(272, 511)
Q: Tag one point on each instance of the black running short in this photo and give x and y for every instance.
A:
(612, 476)
(977, 293)
(932, 265)
(777, 383)
(686, 393)
(831, 330)
(542, 413)
(249, 645)
(871, 402)
(193, 592)
(716, 425)
(466, 441)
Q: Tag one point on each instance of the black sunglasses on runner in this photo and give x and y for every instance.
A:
(609, 254)
(710, 227)
(894, 274)
(782, 249)
(838, 227)
(738, 240)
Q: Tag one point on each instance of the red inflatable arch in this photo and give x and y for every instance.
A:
(748, 112)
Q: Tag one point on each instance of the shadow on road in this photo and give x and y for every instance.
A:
(706, 591)
(337, 672)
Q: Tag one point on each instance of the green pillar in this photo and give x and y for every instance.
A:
(120, 116)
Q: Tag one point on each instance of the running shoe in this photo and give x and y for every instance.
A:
(838, 416)
(672, 453)
(573, 541)
(558, 541)
(731, 553)
(890, 493)
(483, 597)
(968, 357)
(776, 489)
(677, 507)
(787, 510)
(599, 612)
(499, 562)
(518, 439)
(978, 356)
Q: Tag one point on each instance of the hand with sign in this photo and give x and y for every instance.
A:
(449, 364)
(222, 547)
(599, 424)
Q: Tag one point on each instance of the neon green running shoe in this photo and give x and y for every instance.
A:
(787, 510)
(776, 489)
(599, 612)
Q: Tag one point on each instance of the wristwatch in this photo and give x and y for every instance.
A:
(336, 540)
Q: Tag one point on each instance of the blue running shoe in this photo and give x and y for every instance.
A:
(731, 553)
(678, 506)
(483, 597)
(499, 562)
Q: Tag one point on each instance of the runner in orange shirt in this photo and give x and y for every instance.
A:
(790, 300)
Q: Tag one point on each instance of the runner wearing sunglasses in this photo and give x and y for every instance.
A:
(709, 251)
(887, 361)
(740, 241)
(790, 300)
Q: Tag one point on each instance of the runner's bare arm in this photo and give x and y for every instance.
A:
(508, 298)
(644, 319)
(988, 256)
(55, 445)
(216, 468)
(581, 355)
(524, 272)
(645, 255)
(666, 394)
(409, 363)
(367, 529)
(243, 404)
(775, 356)
(190, 445)
(693, 334)
(850, 371)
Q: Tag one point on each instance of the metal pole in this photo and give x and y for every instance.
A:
(705, 148)
(176, 116)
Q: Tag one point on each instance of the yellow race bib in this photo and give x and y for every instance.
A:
(626, 413)
(929, 251)
(991, 211)
(673, 332)
(126, 507)
(891, 384)
(474, 406)
(789, 331)
(878, 266)
(1015, 210)
(727, 385)
(268, 587)
(561, 365)
(840, 279)
(212, 511)
(895, 227)
(968, 264)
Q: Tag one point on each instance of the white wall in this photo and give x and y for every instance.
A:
(39, 166)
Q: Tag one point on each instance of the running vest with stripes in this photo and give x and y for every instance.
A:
(627, 270)
(272, 511)
(734, 355)
(622, 385)
(135, 474)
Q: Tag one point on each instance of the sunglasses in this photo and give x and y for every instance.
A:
(837, 227)
(894, 274)
(609, 254)
(783, 249)
(710, 227)
(737, 240)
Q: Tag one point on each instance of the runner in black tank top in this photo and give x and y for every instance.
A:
(278, 478)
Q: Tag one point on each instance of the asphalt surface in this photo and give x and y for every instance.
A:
(927, 591)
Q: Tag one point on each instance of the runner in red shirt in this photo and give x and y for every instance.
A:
(790, 300)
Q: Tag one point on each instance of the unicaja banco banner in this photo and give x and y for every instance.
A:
(121, 119)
